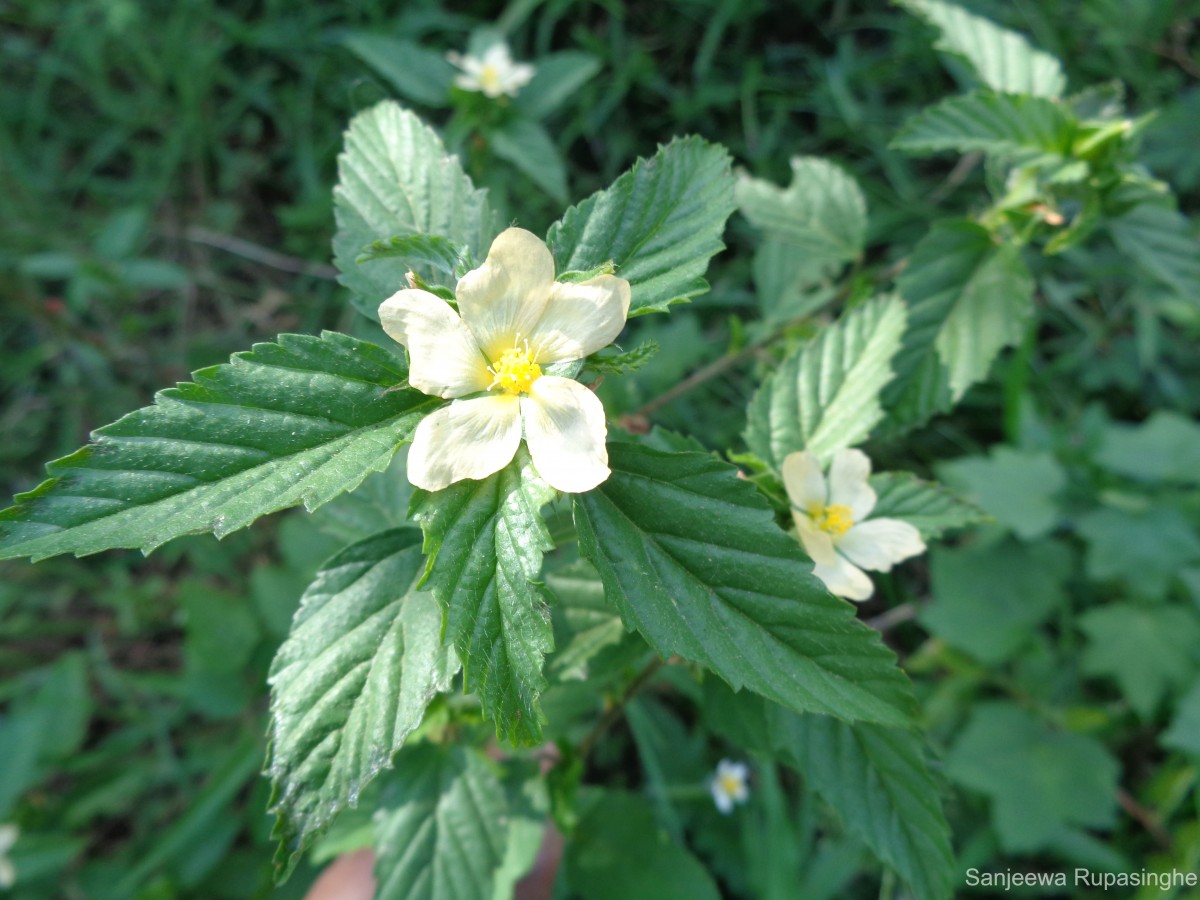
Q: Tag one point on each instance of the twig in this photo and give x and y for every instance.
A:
(897, 615)
(957, 176)
(262, 255)
(712, 370)
(1145, 817)
(613, 713)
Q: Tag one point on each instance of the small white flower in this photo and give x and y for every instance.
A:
(728, 785)
(8, 873)
(494, 74)
(831, 519)
(513, 318)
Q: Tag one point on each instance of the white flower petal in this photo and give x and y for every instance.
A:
(505, 297)
(803, 481)
(444, 360)
(517, 77)
(565, 430)
(467, 439)
(818, 544)
(8, 873)
(845, 579)
(721, 800)
(881, 543)
(580, 318)
(848, 483)
(8, 836)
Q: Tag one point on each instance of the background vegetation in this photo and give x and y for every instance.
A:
(165, 200)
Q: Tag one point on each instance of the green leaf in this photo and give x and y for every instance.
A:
(926, 505)
(555, 79)
(1184, 733)
(990, 599)
(1166, 447)
(1010, 125)
(825, 396)
(660, 223)
(1145, 548)
(352, 680)
(613, 362)
(529, 147)
(441, 831)
(415, 73)
(691, 557)
(618, 852)
(585, 623)
(821, 216)
(1017, 487)
(968, 297)
(1148, 650)
(1160, 241)
(485, 541)
(416, 250)
(394, 177)
(1003, 60)
(877, 779)
(1041, 782)
(298, 421)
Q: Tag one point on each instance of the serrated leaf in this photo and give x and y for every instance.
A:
(660, 223)
(298, 421)
(821, 216)
(352, 680)
(485, 541)
(1160, 240)
(585, 623)
(441, 831)
(1166, 447)
(395, 177)
(529, 147)
(1010, 125)
(1018, 487)
(1002, 59)
(926, 505)
(968, 297)
(415, 73)
(691, 557)
(555, 78)
(417, 251)
(877, 779)
(825, 396)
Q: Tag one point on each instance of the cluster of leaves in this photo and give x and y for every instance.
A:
(480, 589)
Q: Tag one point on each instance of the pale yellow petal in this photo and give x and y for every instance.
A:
(878, 544)
(845, 579)
(580, 318)
(803, 480)
(817, 544)
(8, 836)
(565, 430)
(444, 359)
(8, 874)
(503, 299)
(467, 439)
(848, 485)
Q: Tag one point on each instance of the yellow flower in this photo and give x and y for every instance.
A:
(831, 519)
(513, 319)
(729, 785)
(494, 74)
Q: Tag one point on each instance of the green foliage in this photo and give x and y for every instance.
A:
(420, 250)
(689, 556)
(299, 421)
(825, 396)
(925, 505)
(1012, 125)
(876, 778)
(1143, 548)
(352, 680)
(1165, 448)
(968, 297)
(394, 177)
(659, 223)
(1042, 783)
(1017, 488)
(412, 71)
(485, 541)
(1162, 243)
(531, 150)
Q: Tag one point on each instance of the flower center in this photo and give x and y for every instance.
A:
(515, 371)
(489, 78)
(730, 784)
(835, 519)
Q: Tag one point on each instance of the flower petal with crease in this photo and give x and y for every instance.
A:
(581, 318)
(467, 439)
(817, 544)
(503, 299)
(845, 579)
(444, 359)
(565, 430)
(803, 481)
(881, 543)
(848, 485)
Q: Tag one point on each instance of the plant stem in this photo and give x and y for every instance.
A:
(613, 713)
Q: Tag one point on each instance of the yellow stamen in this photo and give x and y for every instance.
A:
(731, 785)
(515, 371)
(489, 78)
(835, 519)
